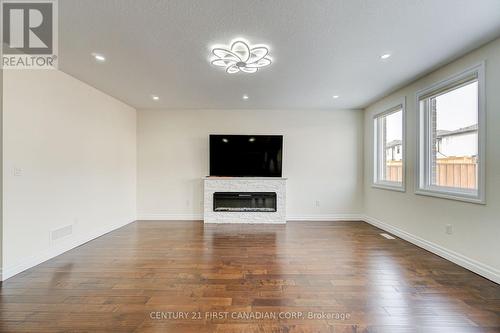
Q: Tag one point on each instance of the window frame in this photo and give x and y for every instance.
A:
(423, 185)
(376, 182)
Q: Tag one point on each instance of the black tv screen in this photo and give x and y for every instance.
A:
(246, 155)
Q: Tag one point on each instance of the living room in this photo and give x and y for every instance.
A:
(250, 166)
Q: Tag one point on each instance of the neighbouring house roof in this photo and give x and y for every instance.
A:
(440, 134)
(472, 128)
(393, 143)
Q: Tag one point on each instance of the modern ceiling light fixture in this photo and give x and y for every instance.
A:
(385, 56)
(245, 97)
(335, 96)
(241, 57)
(155, 98)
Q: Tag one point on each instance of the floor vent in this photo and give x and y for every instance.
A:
(387, 236)
(62, 232)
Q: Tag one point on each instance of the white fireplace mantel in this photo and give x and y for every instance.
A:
(245, 184)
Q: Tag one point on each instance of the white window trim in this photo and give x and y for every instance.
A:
(384, 184)
(421, 186)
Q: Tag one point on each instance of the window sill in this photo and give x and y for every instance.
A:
(457, 196)
(389, 186)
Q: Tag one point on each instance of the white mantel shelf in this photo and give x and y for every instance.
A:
(245, 184)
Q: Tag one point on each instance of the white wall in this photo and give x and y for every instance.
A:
(1, 168)
(476, 228)
(74, 149)
(322, 159)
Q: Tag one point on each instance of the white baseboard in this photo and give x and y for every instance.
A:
(326, 217)
(170, 217)
(479, 268)
(54, 251)
(199, 217)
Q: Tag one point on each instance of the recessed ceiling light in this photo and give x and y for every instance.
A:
(335, 96)
(240, 56)
(99, 57)
(385, 56)
(155, 98)
(245, 97)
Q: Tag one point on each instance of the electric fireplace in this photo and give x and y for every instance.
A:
(244, 202)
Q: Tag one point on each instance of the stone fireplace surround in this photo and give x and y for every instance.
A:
(244, 184)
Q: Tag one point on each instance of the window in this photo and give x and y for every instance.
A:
(451, 138)
(389, 149)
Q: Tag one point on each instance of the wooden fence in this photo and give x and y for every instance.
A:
(458, 172)
(394, 171)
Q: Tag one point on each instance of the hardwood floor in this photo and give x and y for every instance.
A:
(141, 277)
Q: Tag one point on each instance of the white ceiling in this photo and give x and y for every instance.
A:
(320, 48)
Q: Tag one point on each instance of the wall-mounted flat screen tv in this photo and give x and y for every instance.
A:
(246, 155)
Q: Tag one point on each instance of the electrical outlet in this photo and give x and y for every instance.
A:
(61, 232)
(317, 203)
(18, 172)
(449, 229)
